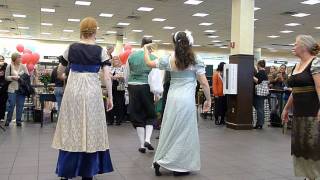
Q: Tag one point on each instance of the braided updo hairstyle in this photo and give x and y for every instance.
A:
(183, 51)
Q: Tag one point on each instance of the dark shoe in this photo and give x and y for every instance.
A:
(142, 150)
(86, 178)
(19, 124)
(6, 124)
(156, 167)
(175, 173)
(148, 145)
(64, 178)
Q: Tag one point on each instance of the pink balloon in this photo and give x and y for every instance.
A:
(20, 48)
(30, 67)
(27, 51)
(26, 58)
(127, 47)
(35, 58)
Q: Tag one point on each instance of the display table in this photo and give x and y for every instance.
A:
(43, 97)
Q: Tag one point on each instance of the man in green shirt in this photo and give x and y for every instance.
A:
(141, 100)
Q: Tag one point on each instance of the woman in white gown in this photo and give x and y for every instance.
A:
(179, 149)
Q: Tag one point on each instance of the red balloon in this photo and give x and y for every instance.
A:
(27, 51)
(30, 67)
(127, 47)
(124, 56)
(35, 58)
(26, 58)
(20, 48)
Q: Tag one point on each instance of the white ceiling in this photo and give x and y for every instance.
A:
(178, 14)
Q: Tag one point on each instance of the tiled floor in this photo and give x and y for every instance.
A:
(25, 154)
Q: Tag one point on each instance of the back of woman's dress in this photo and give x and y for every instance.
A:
(178, 148)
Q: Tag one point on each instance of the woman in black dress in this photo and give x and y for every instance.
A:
(305, 82)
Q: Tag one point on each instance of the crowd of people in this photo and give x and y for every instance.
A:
(81, 132)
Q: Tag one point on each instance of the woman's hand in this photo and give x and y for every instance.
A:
(16, 78)
(206, 106)
(285, 115)
(109, 104)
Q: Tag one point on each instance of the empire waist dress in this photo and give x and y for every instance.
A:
(81, 132)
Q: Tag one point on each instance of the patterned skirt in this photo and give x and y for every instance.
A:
(305, 147)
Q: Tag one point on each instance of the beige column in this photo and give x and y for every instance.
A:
(242, 27)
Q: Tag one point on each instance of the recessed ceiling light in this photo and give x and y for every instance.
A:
(210, 31)
(137, 30)
(216, 41)
(166, 43)
(147, 9)
(224, 47)
(256, 8)
(273, 36)
(0, 21)
(46, 24)
(159, 19)
(83, 3)
(218, 45)
(156, 40)
(123, 24)
(111, 32)
(292, 24)
(200, 14)
(255, 19)
(193, 2)
(68, 30)
(74, 20)
(169, 27)
(311, 2)
(205, 24)
(148, 36)
(196, 45)
(105, 15)
(317, 27)
(4, 31)
(213, 37)
(23, 27)
(19, 15)
(45, 33)
(125, 38)
(50, 10)
(98, 27)
(286, 31)
(300, 15)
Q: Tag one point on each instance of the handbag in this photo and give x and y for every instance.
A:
(155, 81)
(262, 89)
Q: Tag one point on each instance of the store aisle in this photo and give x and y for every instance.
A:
(25, 153)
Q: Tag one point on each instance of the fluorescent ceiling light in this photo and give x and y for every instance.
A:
(98, 27)
(99, 40)
(210, 31)
(292, 24)
(224, 47)
(205, 24)
(286, 31)
(256, 8)
(19, 15)
(45, 33)
(200, 14)
(311, 2)
(166, 43)
(255, 19)
(169, 27)
(68, 30)
(196, 45)
(64, 38)
(300, 15)
(213, 37)
(218, 45)
(23, 27)
(83, 3)
(159, 19)
(74, 20)
(273, 36)
(0, 21)
(193, 2)
(105, 15)
(216, 41)
(50, 10)
(147, 9)
(317, 27)
(4, 31)
(111, 32)
(156, 40)
(125, 38)
(123, 24)
(137, 30)
(148, 36)
(132, 42)
(46, 24)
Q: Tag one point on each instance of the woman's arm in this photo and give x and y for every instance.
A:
(147, 60)
(285, 112)
(206, 89)
(316, 78)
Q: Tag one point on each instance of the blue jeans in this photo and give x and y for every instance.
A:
(258, 103)
(58, 93)
(18, 101)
